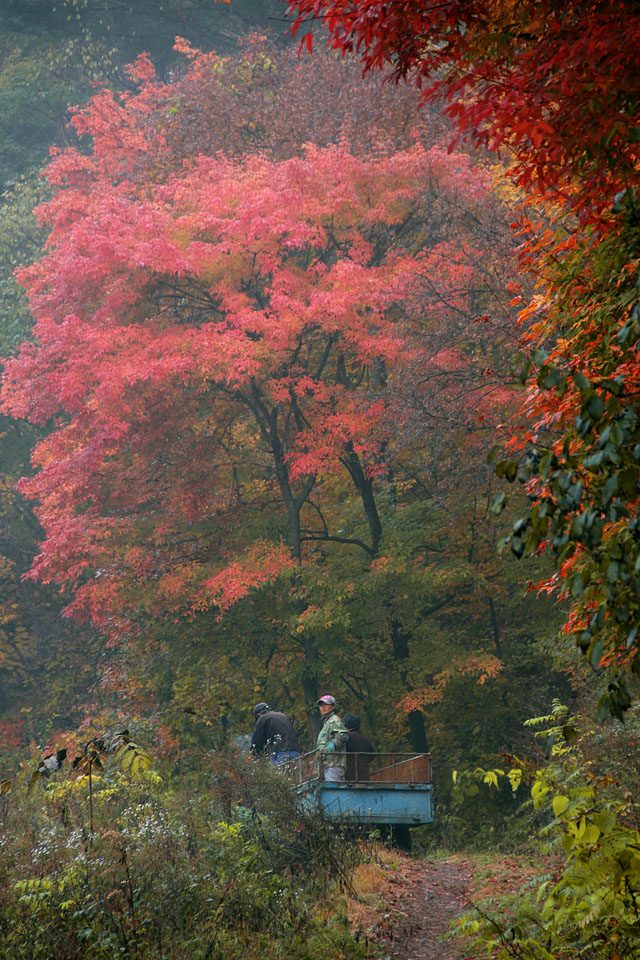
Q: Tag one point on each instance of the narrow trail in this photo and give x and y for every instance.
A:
(405, 906)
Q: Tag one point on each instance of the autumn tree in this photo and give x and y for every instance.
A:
(265, 99)
(241, 317)
(51, 55)
(48, 663)
(553, 86)
(272, 338)
(554, 83)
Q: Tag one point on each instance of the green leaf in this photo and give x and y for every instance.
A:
(144, 762)
(595, 407)
(576, 586)
(591, 834)
(604, 820)
(560, 804)
(623, 333)
(593, 460)
(539, 356)
(551, 378)
(508, 469)
(596, 654)
(581, 382)
(524, 372)
(498, 503)
(610, 488)
(538, 792)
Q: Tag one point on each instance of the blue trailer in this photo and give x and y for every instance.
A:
(382, 788)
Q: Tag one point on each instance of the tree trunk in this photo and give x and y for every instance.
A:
(495, 628)
(400, 644)
(310, 687)
(364, 486)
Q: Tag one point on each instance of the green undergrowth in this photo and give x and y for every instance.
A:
(578, 898)
(220, 867)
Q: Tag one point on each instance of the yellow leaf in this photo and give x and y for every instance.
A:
(591, 834)
(560, 804)
(515, 778)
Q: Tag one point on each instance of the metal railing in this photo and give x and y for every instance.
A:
(382, 768)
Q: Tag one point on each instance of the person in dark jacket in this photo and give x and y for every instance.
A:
(274, 735)
(359, 750)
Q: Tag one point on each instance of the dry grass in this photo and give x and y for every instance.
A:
(370, 883)
(404, 906)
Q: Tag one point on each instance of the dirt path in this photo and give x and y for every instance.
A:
(405, 906)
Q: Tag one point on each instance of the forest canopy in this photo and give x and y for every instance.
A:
(265, 359)
(320, 363)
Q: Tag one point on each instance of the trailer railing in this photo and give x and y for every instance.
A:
(382, 768)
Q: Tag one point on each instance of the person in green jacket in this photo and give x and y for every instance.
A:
(332, 741)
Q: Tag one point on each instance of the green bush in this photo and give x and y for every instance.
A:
(588, 905)
(232, 868)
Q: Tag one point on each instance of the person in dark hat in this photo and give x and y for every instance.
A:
(359, 750)
(274, 735)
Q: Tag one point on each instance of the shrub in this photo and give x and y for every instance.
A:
(233, 868)
(588, 905)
